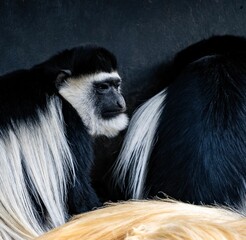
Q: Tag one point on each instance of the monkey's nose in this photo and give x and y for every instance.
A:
(121, 104)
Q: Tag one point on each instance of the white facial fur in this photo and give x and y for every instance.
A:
(78, 92)
(137, 146)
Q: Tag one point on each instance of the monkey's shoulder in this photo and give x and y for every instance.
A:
(22, 92)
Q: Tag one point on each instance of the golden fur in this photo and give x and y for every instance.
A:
(142, 220)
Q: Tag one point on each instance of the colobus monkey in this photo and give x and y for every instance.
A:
(48, 117)
(189, 141)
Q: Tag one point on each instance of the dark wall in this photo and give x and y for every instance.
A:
(142, 34)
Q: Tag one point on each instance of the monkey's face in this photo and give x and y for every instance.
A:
(98, 101)
(108, 98)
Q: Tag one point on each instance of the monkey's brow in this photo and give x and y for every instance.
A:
(110, 81)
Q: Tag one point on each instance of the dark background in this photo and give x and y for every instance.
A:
(142, 34)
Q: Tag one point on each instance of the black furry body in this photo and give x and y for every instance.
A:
(200, 152)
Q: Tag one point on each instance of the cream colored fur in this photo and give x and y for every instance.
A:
(153, 220)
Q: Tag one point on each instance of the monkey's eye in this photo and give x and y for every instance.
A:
(102, 87)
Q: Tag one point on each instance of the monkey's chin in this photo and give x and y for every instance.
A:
(110, 127)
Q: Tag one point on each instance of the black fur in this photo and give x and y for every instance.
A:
(81, 197)
(200, 153)
(23, 92)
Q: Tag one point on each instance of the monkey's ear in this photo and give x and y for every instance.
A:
(63, 74)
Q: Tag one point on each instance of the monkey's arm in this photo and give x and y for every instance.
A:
(81, 195)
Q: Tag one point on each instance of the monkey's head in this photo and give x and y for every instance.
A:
(91, 84)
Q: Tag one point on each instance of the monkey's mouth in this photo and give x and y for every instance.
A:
(110, 114)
